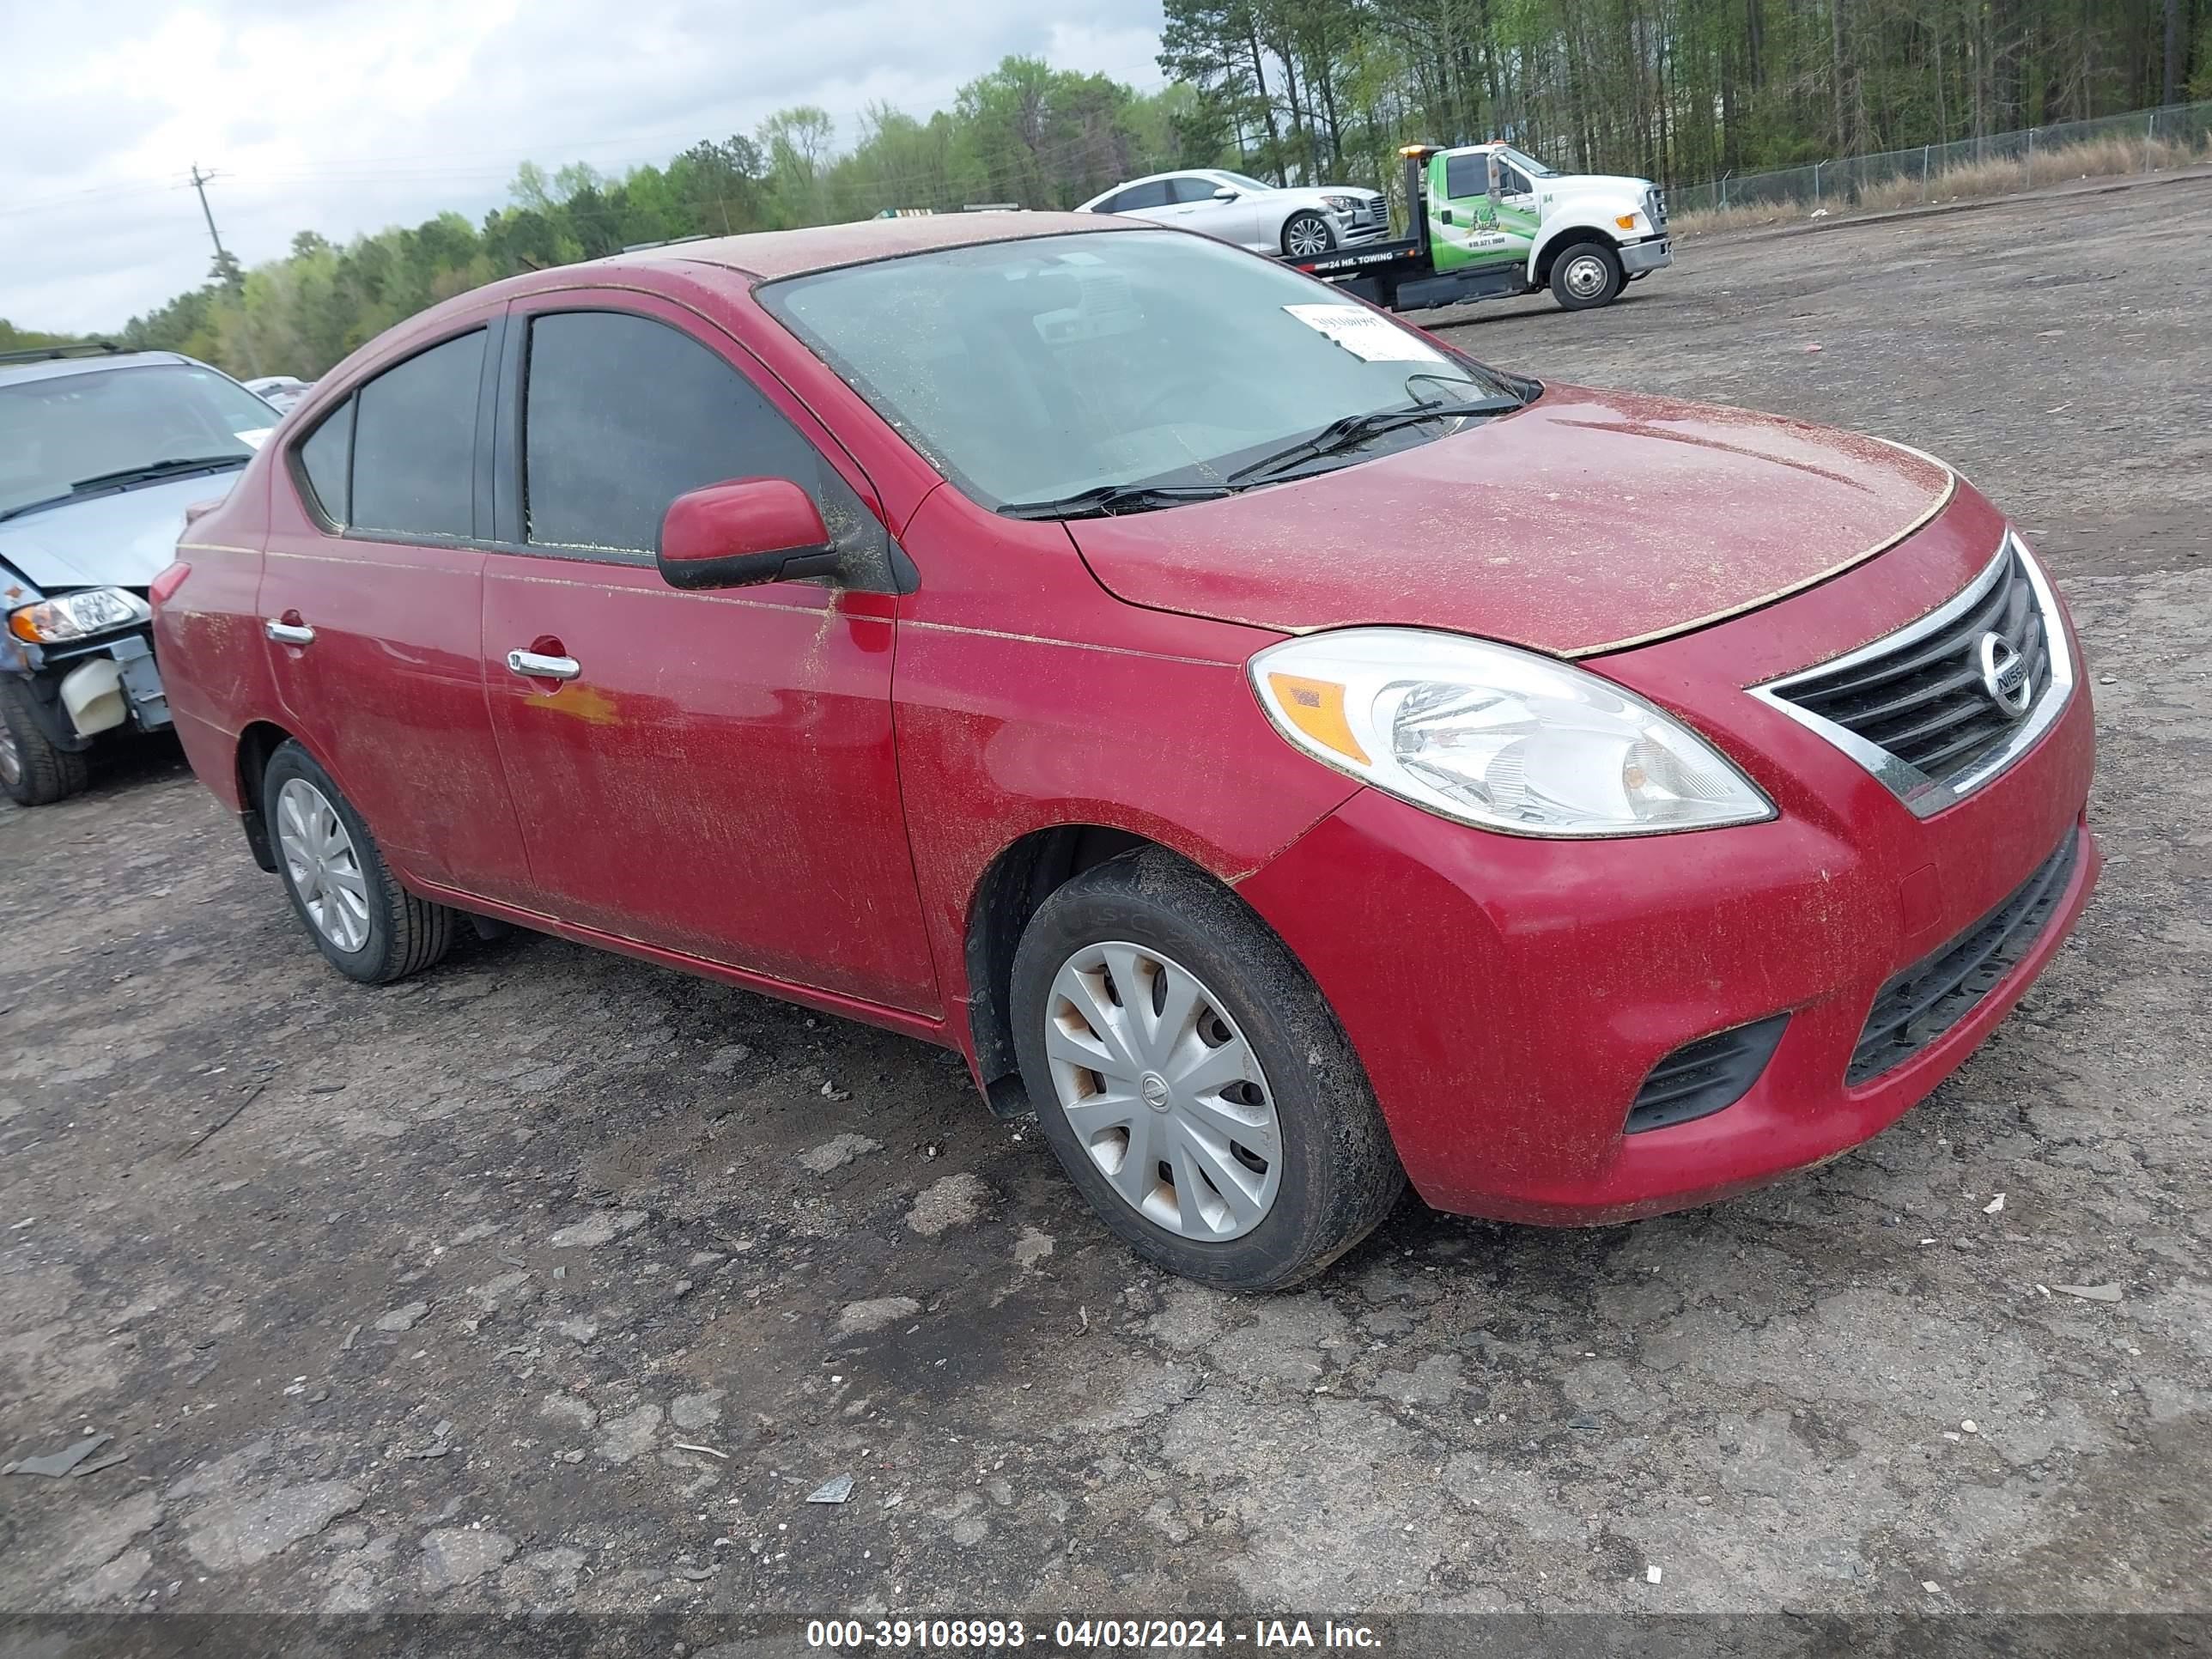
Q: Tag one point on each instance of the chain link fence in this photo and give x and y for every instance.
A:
(2140, 142)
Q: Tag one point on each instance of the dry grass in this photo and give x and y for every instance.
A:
(2099, 158)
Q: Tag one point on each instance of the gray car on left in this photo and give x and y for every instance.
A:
(100, 453)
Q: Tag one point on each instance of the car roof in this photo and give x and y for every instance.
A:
(54, 368)
(766, 255)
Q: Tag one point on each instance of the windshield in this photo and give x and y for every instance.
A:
(1527, 164)
(1036, 370)
(57, 433)
(1241, 180)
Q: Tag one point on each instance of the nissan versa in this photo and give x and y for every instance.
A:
(1291, 757)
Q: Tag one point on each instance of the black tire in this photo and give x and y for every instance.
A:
(405, 935)
(1308, 222)
(1569, 286)
(1340, 1174)
(33, 770)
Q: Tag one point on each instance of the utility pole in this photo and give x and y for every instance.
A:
(200, 182)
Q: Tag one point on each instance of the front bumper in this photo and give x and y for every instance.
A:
(1509, 996)
(85, 688)
(1636, 257)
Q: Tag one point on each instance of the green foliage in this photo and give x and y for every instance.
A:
(1295, 90)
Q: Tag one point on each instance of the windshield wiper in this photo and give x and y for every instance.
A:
(1351, 431)
(1107, 499)
(157, 469)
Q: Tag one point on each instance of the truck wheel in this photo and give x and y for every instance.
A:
(365, 923)
(1306, 235)
(1585, 276)
(1193, 1082)
(33, 771)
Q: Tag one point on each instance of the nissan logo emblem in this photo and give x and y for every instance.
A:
(2004, 674)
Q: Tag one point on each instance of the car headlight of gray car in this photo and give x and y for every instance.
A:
(1342, 204)
(82, 616)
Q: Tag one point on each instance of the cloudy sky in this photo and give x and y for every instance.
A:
(345, 116)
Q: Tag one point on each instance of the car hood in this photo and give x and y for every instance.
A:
(1574, 184)
(1587, 521)
(121, 540)
(1310, 195)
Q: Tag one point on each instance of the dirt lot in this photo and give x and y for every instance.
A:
(406, 1298)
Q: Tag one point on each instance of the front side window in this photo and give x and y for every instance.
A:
(1467, 175)
(623, 414)
(65, 435)
(1510, 182)
(414, 445)
(1031, 371)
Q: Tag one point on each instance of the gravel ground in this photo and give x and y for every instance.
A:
(549, 1281)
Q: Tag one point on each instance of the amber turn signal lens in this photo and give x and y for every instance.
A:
(1625, 221)
(1316, 708)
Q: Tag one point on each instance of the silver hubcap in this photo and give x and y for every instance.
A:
(321, 863)
(1164, 1094)
(11, 757)
(1308, 236)
(1586, 277)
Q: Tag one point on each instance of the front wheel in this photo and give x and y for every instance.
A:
(1192, 1081)
(1307, 235)
(33, 770)
(1585, 276)
(366, 926)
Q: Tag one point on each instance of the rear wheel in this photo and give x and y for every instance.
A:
(33, 770)
(1192, 1081)
(1585, 276)
(365, 923)
(1307, 234)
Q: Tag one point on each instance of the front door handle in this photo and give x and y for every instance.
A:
(288, 632)
(532, 666)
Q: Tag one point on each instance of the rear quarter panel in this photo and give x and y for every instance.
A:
(207, 635)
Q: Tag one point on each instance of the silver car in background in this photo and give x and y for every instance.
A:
(1297, 222)
(100, 453)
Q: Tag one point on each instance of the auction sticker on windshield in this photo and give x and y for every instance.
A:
(1366, 334)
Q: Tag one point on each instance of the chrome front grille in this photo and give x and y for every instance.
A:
(1939, 707)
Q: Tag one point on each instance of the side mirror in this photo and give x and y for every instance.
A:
(1226, 193)
(742, 532)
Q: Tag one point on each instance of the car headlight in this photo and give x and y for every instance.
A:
(1496, 737)
(1341, 203)
(78, 616)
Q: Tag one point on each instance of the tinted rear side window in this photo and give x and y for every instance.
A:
(414, 444)
(327, 459)
(1141, 195)
(623, 414)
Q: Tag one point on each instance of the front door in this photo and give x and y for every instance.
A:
(710, 773)
(1481, 212)
(370, 613)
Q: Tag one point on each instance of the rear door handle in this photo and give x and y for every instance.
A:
(531, 666)
(288, 632)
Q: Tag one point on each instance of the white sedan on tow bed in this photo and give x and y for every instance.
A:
(1297, 223)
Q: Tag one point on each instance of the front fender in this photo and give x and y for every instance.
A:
(1585, 217)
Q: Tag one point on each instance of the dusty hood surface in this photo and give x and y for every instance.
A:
(121, 540)
(1587, 521)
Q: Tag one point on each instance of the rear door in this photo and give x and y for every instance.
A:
(713, 772)
(370, 613)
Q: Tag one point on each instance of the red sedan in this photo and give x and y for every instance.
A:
(1289, 756)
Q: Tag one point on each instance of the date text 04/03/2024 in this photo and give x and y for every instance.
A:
(1084, 1635)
